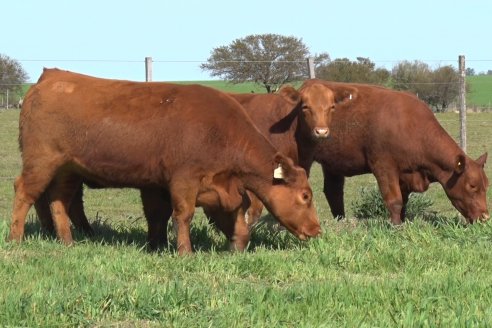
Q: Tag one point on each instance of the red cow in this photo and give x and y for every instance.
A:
(396, 137)
(151, 135)
(294, 121)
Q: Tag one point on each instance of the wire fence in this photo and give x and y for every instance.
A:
(482, 103)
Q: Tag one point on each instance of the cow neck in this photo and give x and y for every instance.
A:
(257, 169)
(305, 145)
(443, 152)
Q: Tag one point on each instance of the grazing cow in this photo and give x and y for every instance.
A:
(294, 121)
(396, 137)
(194, 142)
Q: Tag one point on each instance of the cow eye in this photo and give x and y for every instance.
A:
(305, 196)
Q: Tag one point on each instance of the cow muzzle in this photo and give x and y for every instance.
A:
(484, 217)
(321, 132)
(311, 232)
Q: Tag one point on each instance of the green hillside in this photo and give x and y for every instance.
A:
(480, 92)
(480, 89)
(228, 87)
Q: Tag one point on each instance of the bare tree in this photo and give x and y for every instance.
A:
(267, 59)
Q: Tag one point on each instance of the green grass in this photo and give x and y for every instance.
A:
(433, 272)
(246, 87)
(480, 94)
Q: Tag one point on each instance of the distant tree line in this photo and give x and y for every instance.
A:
(272, 60)
(437, 87)
(471, 72)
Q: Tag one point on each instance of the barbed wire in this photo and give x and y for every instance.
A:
(238, 61)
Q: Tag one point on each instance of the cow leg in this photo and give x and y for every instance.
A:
(77, 213)
(333, 190)
(233, 225)
(23, 201)
(28, 187)
(404, 196)
(241, 236)
(62, 190)
(183, 199)
(389, 186)
(42, 206)
(254, 211)
(224, 221)
(157, 209)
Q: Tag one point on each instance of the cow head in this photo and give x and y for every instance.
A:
(317, 103)
(467, 188)
(290, 199)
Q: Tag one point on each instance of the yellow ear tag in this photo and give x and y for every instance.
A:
(278, 173)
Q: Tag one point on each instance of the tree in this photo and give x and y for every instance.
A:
(438, 88)
(267, 59)
(470, 71)
(415, 77)
(445, 87)
(361, 71)
(12, 76)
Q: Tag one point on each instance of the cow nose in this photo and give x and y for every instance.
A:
(312, 231)
(485, 217)
(321, 132)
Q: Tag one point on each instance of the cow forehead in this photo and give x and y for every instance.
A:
(317, 94)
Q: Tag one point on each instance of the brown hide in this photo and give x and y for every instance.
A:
(294, 121)
(150, 135)
(289, 120)
(396, 137)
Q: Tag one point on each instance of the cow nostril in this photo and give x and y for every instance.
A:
(321, 132)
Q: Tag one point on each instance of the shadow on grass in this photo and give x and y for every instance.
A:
(267, 234)
(105, 233)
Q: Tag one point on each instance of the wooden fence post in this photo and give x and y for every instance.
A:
(310, 64)
(461, 62)
(148, 69)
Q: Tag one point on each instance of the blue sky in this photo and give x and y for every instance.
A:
(179, 34)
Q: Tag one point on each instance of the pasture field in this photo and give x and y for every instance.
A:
(480, 94)
(432, 271)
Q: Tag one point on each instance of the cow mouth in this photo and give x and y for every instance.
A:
(484, 217)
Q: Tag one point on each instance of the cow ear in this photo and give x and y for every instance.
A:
(345, 95)
(290, 94)
(283, 168)
(482, 160)
(459, 164)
